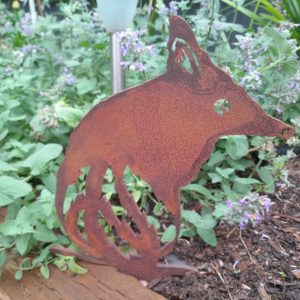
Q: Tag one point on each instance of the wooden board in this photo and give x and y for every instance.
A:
(101, 282)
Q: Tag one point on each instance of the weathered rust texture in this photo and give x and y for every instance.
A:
(163, 130)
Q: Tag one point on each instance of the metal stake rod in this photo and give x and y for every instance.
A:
(117, 70)
(32, 11)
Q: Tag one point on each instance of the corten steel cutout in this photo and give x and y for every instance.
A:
(163, 130)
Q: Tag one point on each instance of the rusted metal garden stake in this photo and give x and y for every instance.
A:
(163, 130)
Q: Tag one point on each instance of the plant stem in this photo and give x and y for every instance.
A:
(255, 11)
(211, 19)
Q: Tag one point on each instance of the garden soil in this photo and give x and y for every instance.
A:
(262, 262)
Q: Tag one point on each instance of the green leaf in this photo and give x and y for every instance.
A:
(3, 259)
(237, 146)
(191, 216)
(188, 232)
(258, 141)
(10, 227)
(205, 221)
(75, 268)
(43, 234)
(246, 180)
(153, 221)
(12, 189)
(225, 172)
(38, 160)
(215, 178)
(19, 275)
(5, 167)
(158, 209)
(241, 188)
(208, 236)
(100, 46)
(216, 158)
(280, 44)
(220, 211)
(136, 194)
(108, 188)
(22, 242)
(169, 234)
(3, 134)
(86, 85)
(45, 271)
(70, 115)
(266, 176)
(240, 165)
(244, 11)
(198, 188)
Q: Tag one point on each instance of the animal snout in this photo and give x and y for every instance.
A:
(287, 132)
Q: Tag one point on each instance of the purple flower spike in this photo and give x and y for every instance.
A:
(246, 217)
(257, 218)
(229, 204)
(69, 79)
(267, 204)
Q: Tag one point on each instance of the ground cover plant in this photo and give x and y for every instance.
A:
(53, 71)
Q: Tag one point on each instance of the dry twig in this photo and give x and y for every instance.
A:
(240, 236)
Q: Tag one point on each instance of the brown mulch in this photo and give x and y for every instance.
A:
(261, 263)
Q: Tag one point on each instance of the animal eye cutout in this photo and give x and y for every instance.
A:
(222, 106)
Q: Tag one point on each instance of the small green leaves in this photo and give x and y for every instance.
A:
(169, 234)
(237, 146)
(22, 242)
(43, 154)
(208, 236)
(204, 225)
(44, 269)
(19, 275)
(75, 268)
(12, 189)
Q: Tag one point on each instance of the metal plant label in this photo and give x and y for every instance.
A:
(163, 130)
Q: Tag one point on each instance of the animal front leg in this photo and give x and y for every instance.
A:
(171, 199)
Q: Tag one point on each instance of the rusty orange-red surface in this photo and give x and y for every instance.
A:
(163, 130)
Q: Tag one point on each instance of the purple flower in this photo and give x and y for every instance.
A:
(27, 49)
(243, 201)
(257, 218)
(69, 79)
(267, 204)
(25, 25)
(242, 224)
(137, 67)
(171, 10)
(246, 217)
(229, 204)
(217, 26)
(125, 64)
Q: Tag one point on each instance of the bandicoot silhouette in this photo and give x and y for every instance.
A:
(163, 130)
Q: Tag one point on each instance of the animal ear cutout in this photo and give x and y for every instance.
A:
(181, 45)
(186, 55)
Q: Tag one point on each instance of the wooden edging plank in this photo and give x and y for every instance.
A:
(100, 283)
